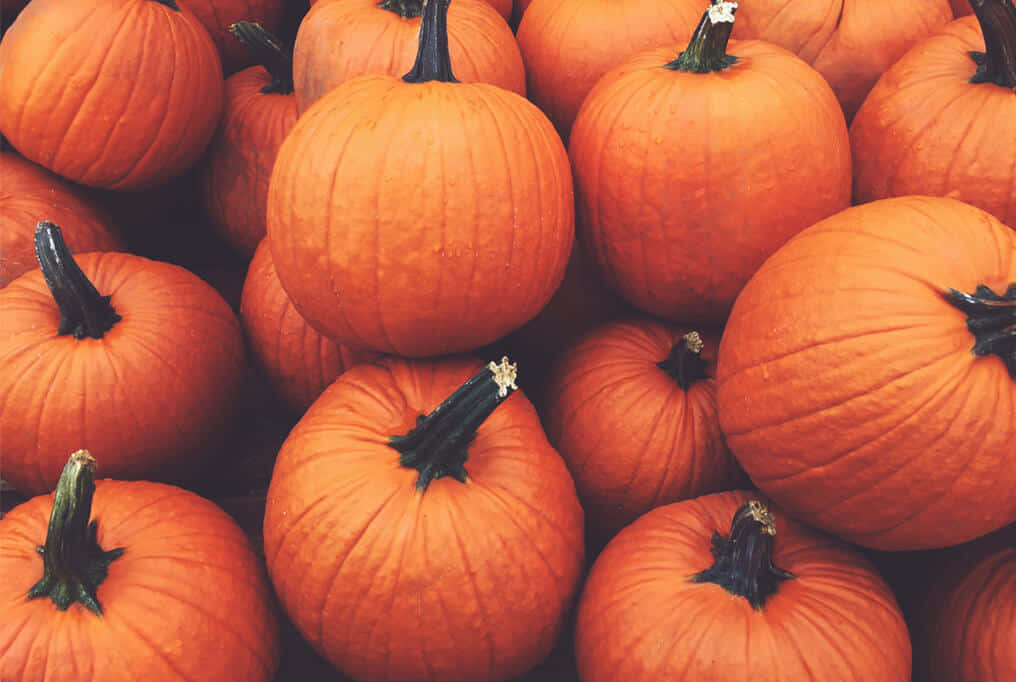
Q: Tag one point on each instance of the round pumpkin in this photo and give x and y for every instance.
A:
(632, 409)
(421, 216)
(131, 581)
(139, 359)
(218, 16)
(676, 597)
(684, 188)
(422, 528)
(118, 94)
(30, 193)
(866, 374)
(939, 122)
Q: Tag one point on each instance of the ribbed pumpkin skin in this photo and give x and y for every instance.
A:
(420, 219)
(462, 582)
(187, 601)
(299, 362)
(632, 437)
(239, 161)
(150, 395)
(30, 193)
(847, 386)
(641, 620)
(218, 15)
(925, 129)
(341, 39)
(567, 45)
(118, 94)
(685, 188)
(850, 42)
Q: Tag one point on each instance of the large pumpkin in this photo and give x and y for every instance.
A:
(866, 374)
(131, 581)
(419, 531)
(421, 216)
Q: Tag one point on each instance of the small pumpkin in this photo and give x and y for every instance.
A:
(131, 581)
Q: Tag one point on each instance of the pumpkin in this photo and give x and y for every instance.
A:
(160, 584)
(567, 45)
(850, 43)
(420, 216)
(116, 353)
(218, 16)
(119, 94)
(30, 193)
(674, 597)
(939, 121)
(632, 409)
(260, 111)
(419, 531)
(342, 39)
(683, 188)
(299, 362)
(865, 376)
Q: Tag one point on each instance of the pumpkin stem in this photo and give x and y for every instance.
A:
(432, 60)
(992, 320)
(407, 9)
(684, 363)
(997, 64)
(707, 50)
(170, 4)
(83, 310)
(270, 52)
(743, 562)
(438, 445)
(73, 563)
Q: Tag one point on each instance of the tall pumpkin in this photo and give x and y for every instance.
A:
(421, 216)
(866, 374)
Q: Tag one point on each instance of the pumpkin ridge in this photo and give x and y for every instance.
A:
(471, 575)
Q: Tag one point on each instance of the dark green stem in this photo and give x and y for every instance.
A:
(170, 4)
(83, 310)
(684, 364)
(407, 9)
(997, 64)
(270, 52)
(992, 320)
(432, 60)
(438, 445)
(707, 50)
(73, 563)
(743, 561)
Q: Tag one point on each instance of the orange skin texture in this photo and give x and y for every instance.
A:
(188, 601)
(342, 39)
(925, 129)
(850, 42)
(150, 395)
(640, 619)
(299, 362)
(632, 438)
(461, 582)
(687, 182)
(239, 160)
(218, 15)
(567, 45)
(420, 219)
(118, 94)
(847, 387)
(28, 194)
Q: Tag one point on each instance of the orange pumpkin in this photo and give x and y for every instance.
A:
(136, 581)
(405, 511)
(865, 376)
(135, 358)
(674, 597)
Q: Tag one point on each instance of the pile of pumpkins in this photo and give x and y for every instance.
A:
(749, 261)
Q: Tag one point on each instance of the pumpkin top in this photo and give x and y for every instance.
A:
(997, 64)
(270, 52)
(707, 50)
(991, 318)
(684, 363)
(433, 62)
(407, 9)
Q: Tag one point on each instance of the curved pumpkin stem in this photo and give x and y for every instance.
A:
(707, 50)
(407, 9)
(997, 64)
(438, 445)
(170, 4)
(992, 320)
(83, 310)
(684, 363)
(743, 562)
(73, 563)
(270, 52)
(433, 62)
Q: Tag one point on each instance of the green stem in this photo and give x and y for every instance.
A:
(73, 563)
(432, 60)
(270, 52)
(707, 50)
(684, 364)
(743, 561)
(407, 9)
(997, 64)
(83, 310)
(991, 318)
(170, 4)
(438, 445)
